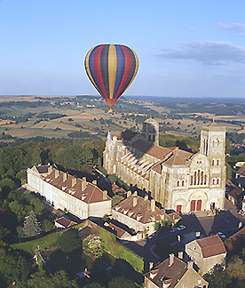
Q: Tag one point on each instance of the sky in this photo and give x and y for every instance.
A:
(187, 48)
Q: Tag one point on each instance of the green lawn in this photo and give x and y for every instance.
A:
(117, 250)
(111, 245)
(44, 242)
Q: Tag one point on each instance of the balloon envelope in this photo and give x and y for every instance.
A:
(111, 68)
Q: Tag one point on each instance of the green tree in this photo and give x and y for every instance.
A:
(218, 278)
(31, 226)
(44, 280)
(69, 241)
(121, 282)
(236, 268)
(93, 285)
(13, 266)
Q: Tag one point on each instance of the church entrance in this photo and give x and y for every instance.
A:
(196, 205)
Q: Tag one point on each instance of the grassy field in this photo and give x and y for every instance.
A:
(45, 242)
(111, 245)
(117, 250)
(95, 119)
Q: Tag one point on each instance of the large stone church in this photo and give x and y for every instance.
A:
(177, 179)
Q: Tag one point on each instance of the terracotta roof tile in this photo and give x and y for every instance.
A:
(66, 223)
(171, 275)
(178, 157)
(141, 212)
(81, 189)
(233, 190)
(151, 149)
(211, 246)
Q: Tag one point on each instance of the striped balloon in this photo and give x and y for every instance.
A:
(111, 68)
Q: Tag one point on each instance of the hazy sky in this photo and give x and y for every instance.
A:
(186, 47)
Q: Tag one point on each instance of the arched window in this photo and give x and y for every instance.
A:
(202, 178)
(213, 162)
(217, 162)
(205, 179)
(214, 181)
(183, 183)
(198, 177)
(178, 183)
(217, 181)
(206, 147)
(191, 180)
(195, 178)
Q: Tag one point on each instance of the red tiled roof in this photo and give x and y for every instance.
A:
(65, 222)
(157, 168)
(81, 189)
(171, 275)
(141, 212)
(178, 157)
(234, 240)
(151, 149)
(233, 190)
(119, 232)
(211, 246)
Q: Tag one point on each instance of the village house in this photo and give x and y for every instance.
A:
(234, 193)
(236, 241)
(68, 193)
(64, 222)
(206, 252)
(174, 273)
(122, 233)
(140, 214)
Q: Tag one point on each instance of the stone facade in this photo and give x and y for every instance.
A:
(206, 253)
(175, 178)
(63, 191)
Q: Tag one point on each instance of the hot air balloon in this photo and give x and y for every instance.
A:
(111, 68)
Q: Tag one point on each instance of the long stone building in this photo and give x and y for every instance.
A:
(66, 192)
(175, 178)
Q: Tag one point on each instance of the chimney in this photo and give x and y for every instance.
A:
(135, 200)
(151, 264)
(104, 195)
(180, 255)
(84, 183)
(129, 193)
(189, 265)
(153, 205)
(240, 225)
(94, 182)
(179, 238)
(65, 176)
(49, 169)
(198, 234)
(56, 173)
(171, 259)
(73, 181)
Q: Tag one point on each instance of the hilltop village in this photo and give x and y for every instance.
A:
(175, 209)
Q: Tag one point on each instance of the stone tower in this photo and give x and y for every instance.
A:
(212, 145)
(151, 131)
